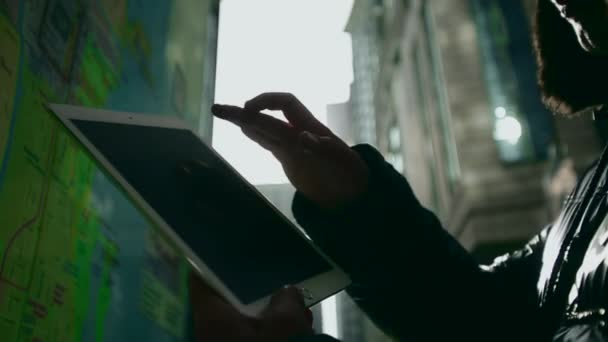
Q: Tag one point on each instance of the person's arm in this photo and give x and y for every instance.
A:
(409, 275)
(313, 338)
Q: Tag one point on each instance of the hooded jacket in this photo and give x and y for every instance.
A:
(417, 283)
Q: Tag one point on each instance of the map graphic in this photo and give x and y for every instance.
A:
(78, 260)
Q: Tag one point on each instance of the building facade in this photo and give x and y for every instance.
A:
(364, 26)
(457, 110)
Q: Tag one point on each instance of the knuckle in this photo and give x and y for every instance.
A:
(247, 131)
(255, 100)
(290, 100)
(264, 96)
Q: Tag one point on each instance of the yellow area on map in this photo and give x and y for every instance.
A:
(47, 232)
(9, 63)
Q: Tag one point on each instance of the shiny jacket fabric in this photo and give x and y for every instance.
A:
(417, 283)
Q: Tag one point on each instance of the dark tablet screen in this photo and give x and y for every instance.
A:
(241, 238)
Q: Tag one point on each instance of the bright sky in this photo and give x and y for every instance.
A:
(296, 46)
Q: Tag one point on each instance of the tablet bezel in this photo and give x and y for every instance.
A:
(314, 289)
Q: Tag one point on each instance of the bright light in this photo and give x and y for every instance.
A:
(329, 313)
(508, 129)
(500, 112)
(296, 46)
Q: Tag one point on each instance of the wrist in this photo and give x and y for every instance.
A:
(347, 191)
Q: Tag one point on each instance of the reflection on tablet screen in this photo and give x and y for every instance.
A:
(252, 249)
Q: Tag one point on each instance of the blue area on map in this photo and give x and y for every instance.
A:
(135, 93)
(17, 100)
(124, 321)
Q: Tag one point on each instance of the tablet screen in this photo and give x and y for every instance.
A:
(242, 239)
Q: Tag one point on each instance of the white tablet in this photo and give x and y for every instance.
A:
(241, 245)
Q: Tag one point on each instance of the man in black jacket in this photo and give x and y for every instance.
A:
(409, 275)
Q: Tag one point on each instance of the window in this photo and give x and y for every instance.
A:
(522, 126)
(418, 55)
(394, 154)
(448, 144)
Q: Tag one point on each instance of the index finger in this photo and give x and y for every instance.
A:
(214, 318)
(277, 129)
(199, 290)
(295, 112)
(208, 303)
(234, 114)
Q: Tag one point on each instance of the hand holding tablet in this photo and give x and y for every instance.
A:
(216, 320)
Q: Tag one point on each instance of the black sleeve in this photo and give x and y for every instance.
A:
(413, 279)
(315, 338)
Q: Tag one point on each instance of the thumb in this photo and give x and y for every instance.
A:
(288, 299)
(287, 315)
(326, 146)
